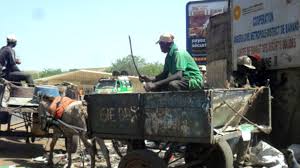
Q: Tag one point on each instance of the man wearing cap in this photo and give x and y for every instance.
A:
(244, 70)
(180, 70)
(203, 71)
(8, 63)
(259, 76)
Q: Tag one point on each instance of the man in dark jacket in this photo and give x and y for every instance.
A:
(8, 63)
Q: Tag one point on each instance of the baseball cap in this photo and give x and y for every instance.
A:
(256, 56)
(202, 67)
(166, 37)
(246, 61)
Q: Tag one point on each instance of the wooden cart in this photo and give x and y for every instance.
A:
(201, 127)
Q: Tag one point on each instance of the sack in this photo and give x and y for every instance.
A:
(5, 90)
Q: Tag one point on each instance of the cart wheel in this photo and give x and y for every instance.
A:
(75, 140)
(218, 155)
(120, 147)
(142, 159)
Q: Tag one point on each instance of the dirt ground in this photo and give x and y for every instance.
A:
(15, 152)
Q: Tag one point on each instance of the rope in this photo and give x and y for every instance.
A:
(237, 113)
(245, 118)
(75, 128)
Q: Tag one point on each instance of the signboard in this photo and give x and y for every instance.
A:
(269, 28)
(197, 19)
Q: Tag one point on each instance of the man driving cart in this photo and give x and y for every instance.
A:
(180, 70)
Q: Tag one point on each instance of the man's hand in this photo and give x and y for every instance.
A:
(150, 86)
(145, 78)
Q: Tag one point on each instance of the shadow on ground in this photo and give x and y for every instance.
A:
(14, 151)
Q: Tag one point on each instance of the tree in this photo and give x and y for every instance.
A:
(152, 69)
(50, 72)
(126, 63)
(72, 70)
(34, 75)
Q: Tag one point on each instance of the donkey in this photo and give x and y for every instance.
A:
(74, 115)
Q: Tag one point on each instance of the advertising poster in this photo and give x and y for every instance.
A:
(269, 28)
(197, 20)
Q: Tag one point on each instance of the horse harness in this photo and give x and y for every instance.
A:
(58, 106)
(56, 109)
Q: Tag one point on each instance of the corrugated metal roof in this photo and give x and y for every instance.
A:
(83, 77)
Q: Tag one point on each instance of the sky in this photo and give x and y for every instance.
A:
(69, 34)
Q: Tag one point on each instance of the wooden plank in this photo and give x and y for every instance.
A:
(217, 73)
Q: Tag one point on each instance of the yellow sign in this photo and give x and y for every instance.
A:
(237, 12)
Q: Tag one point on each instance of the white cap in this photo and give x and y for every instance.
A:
(246, 61)
(202, 68)
(166, 37)
(11, 38)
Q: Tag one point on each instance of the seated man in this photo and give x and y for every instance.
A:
(180, 70)
(8, 63)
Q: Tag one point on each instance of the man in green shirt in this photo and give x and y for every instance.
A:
(180, 70)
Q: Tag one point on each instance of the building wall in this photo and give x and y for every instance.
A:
(219, 51)
(285, 85)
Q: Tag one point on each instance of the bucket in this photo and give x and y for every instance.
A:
(47, 90)
(4, 117)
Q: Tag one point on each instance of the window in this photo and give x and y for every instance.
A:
(107, 84)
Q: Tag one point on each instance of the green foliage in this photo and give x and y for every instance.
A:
(126, 63)
(49, 72)
(121, 64)
(152, 69)
(108, 69)
(72, 70)
(34, 75)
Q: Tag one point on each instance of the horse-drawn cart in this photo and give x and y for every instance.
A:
(21, 103)
(16, 102)
(203, 127)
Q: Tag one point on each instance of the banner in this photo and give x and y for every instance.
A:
(197, 19)
(269, 28)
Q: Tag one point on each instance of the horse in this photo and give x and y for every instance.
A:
(74, 115)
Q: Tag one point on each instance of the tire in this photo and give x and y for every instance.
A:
(213, 156)
(142, 159)
(120, 147)
(75, 140)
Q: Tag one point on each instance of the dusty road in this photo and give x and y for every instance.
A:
(15, 152)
